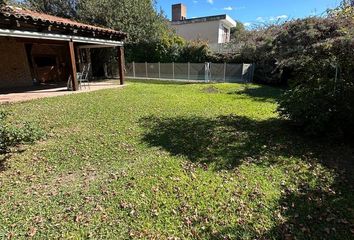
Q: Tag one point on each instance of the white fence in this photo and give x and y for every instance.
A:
(203, 72)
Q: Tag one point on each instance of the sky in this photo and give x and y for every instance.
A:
(252, 12)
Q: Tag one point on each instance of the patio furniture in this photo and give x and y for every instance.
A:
(83, 77)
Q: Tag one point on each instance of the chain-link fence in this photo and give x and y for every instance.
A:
(200, 72)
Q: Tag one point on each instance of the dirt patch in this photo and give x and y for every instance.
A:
(210, 89)
(70, 180)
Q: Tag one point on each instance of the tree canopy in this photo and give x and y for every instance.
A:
(138, 18)
(149, 36)
(237, 31)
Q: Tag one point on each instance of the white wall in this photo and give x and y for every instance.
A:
(211, 31)
(208, 31)
(221, 36)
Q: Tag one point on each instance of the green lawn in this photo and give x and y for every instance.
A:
(173, 161)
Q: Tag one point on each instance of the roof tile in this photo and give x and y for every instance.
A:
(37, 16)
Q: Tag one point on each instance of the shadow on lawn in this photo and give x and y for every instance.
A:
(225, 142)
(317, 213)
(2, 163)
(310, 212)
(262, 93)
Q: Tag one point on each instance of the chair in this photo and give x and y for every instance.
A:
(83, 77)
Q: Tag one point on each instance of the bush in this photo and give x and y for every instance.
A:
(318, 53)
(315, 109)
(194, 51)
(256, 46)
(314, 58)
(14, 134)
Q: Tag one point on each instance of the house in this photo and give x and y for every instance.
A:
(40, 48)
(213, 29)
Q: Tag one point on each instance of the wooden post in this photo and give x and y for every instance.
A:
(73, 71)
(121, 64)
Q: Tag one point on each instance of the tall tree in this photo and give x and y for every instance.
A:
(238, 30)
(4, 2)
(149, 36)
(61, 8)
(138, 18)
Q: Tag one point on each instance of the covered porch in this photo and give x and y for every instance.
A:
(43, 54)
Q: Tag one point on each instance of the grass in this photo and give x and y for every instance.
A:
(170, 161)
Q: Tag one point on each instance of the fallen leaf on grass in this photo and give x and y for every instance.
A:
(10, 235)
(79, 218)
(32, 231)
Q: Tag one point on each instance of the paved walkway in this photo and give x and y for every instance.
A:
(30, 93)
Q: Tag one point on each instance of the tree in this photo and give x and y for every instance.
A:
(237, 31)
(5, 2)
(348, 2)
(61, 8)
(138, 18)
(318, 54)
(149, 36)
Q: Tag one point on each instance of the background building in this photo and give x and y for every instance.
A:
(213, 29)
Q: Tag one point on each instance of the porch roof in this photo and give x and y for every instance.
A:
(18, 22)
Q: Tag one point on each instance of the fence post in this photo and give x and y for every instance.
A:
(252, 72)
(242, 72)
(134, 69)
(159, 70)
(173, 70)
(206, 69)
(189, 70)
(224, 71)
(146, 69)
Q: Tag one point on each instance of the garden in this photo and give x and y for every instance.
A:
(168, 160)
(159, 160)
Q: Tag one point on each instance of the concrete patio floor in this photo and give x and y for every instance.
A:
(36, 92)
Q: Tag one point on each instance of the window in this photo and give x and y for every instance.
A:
(225, 35)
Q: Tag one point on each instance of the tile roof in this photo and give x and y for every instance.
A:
(24, 14)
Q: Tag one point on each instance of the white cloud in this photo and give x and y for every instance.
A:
(260, 19)
(247, 24)
(195, 1)
(210, 1)
(281, 17)
(228, 8)
(271, 19)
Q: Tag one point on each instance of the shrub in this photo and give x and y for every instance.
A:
(194, 51)
(14, 134)
(314, 58)
(319, 56)
(255, 46)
